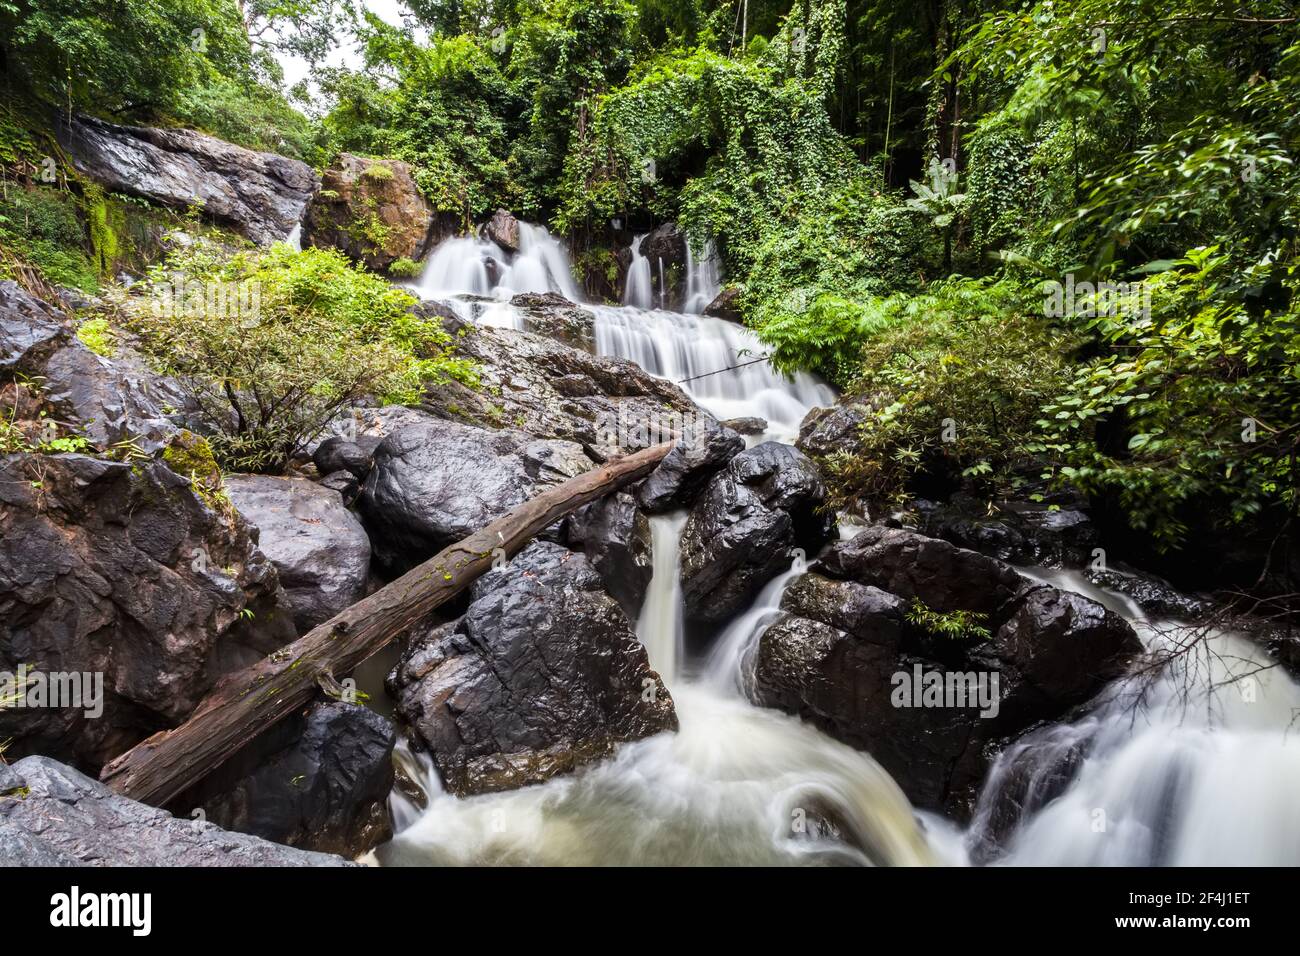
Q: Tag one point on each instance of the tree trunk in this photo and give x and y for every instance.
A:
(247, 703)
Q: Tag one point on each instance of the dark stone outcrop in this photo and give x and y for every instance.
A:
(436, 482)
(324, 788)
(541, 675)
(371, 210)
(260, 195)
(64, 818)
(615, 535)
(121, 569)
(851, 642)
(703, 448)
(825, 431)
(742, 529)
(726, 305)
(317, 545)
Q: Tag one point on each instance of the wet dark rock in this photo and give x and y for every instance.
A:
(1155, 596)
(440, 313)
(338, 454)
(1017, 532)
(325, 789)
(615, 535)
(358, 194)
(260, 195)
(747, 426)
(30, 330)
(944, 577)
(825, 431)
(552, 315)
(68, 819)
(743, 528)
(541, 675)
(436, 482)
(122, 569)
(345, 483)
(850, 645)
(317, 545)
(503, 229)
(703, 448)
(726, 305)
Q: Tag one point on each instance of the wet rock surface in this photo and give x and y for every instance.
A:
(552, 315)
(852, 655)
(615, 536)
(434, 483)
(67, 819)
(744, 527)
(551, 390)
(541, 675)
(703, 449)
(123, 570)
(260, 195)
(320, 782)
(318, 547)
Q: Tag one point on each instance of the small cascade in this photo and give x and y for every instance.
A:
(703, 279)
(294, 239)
(1160, 773)
(661, 627)
(638, 292)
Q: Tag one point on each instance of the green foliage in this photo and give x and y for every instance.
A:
(106, 55)
(297, 337)
(404, 268)
(954, 625)
(250, 114)
(98, 336)
(41, 224)
(953, 387)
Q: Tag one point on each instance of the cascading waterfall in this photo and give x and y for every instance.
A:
(638, 292)
(703, 279)
(1161, 772)
(1175, 784)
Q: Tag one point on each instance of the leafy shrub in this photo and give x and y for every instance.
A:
(404, 268)
(273, 345)
(954, 388)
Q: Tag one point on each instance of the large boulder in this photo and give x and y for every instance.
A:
(1054, 533)
(317, 545)
(552, 390)
(859, 653)
(324, 787)
(63, 818)
(371, 210)
(703, 448)
(503, 229)
(726, 305)
(825, 431)
(743, 528)
(122, 570)
(541, 675)
(615, 535)
(260, 195)
(434, 483)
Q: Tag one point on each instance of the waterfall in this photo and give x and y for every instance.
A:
(1176, 777)
(661, 627)
(703, 279)
(638, 292)
(477, 267)
(294, 239)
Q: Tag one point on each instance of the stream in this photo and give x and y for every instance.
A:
(1178, 776)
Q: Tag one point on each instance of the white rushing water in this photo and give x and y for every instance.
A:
(639, 289)
(1182, 778)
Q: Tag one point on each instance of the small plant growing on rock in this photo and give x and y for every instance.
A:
(954, 625)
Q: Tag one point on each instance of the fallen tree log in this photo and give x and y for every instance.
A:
(248, 702)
